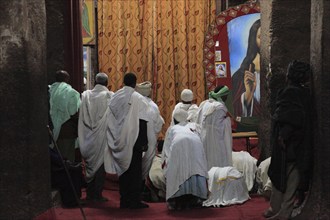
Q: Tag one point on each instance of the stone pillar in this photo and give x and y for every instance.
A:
(24, 157)
(55, 38)
(318, 205)
(285, 27)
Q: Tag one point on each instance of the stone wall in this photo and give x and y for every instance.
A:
(24, 157)
(318, 206)
(285, 37)
(55, 37)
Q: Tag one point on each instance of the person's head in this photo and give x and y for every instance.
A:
(253, 45)
(180, 115)
(130, 80)
(101, 79)
(187, 96)
(62, 76)
(298, 72)
(144, 88)
(220, 93)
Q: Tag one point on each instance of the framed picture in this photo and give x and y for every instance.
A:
(221, 69)
(218, 55)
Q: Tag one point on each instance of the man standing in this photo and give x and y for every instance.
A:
(154, 127)
(92, 129)
(64, 105)
(216, 135)
(127, 139)
(291, 165)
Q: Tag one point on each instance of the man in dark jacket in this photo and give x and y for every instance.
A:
(290, 167)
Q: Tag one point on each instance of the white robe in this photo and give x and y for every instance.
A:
(154, 126)
(227, 187)
(216, 133)
(262, 177)
(92, 127)
(184, 156)
(247, 165)
(191, 109)
(126, 108)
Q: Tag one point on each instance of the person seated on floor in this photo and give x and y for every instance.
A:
(247, 165)
(184, 164)
(264, 185)
(227, 187)
(62, 180)
(155, 181)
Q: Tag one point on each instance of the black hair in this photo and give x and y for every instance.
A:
(130, 80)
(217, 89)
(62, 76)
(298, 71)
(252, 49)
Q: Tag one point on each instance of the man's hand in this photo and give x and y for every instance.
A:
(250, 84)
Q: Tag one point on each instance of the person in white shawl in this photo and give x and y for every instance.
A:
(185, 166)
(154, 127)
(247, 165)
(64, 104)
(92, 128)
(186, 104)
(127, 139)
(227, 187)
(216, 135)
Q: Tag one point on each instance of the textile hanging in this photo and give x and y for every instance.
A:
(160, 41)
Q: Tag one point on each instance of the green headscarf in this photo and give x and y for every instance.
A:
(222, 92)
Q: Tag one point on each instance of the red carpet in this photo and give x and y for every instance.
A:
(250, 210)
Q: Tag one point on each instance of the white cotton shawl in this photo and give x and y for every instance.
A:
(247, 165)
(191, 110)
(227, 187)
(126, 108)
(216, 133)
(64, 101)
(154, 126)
(92, 127)
(184, 156)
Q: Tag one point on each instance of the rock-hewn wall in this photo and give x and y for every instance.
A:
(318, 206)
(24, 157)
(285, 37)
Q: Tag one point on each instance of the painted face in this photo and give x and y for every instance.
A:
(258, 38)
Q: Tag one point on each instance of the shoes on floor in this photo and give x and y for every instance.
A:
(124, 205)
(138, 205)
(97, 199)
(268, 213)
(277, 217)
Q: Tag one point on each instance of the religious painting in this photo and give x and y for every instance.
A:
(244, 54)
(218, 55)
(88, 22)
(221, 69)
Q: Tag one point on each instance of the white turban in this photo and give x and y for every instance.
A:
(187, 95)
(144, 88)
(180, 115)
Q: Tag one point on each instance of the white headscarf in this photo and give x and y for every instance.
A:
(187, 95)
(180, 115)
(144, 88)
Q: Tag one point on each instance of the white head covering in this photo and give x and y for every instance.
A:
(144, 88)
(180, 115)
(187, 95)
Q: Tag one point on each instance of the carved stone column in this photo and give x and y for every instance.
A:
(24, 157)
